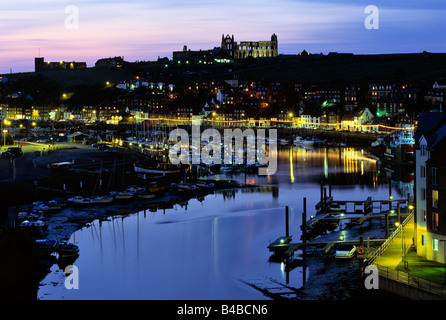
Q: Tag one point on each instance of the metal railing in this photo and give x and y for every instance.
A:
(411, 280)
(389, 240)
(401, 276)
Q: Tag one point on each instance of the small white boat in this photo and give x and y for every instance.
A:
(186, 186)
(297, 140)
(159, 169)
(33, 226)
(102, 199)
(67, 249)
(283, 141)
(226, 168)
(47, 207)
(135, 189)
(307, 142)
(46, 246)
(78, 200)
(205, 185)
(121, 195)
(145, 195)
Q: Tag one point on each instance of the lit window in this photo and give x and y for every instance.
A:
(435, 244)
(423, 240)
(435, 198)
(435, 221)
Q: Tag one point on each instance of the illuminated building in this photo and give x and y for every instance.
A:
(228, 51)
(430, 181)
(115, 62)
(436, 96)
(41, 65)
(255, 49)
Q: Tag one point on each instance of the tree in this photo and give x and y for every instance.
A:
(8, 139)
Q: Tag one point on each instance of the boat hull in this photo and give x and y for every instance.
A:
(159, 170)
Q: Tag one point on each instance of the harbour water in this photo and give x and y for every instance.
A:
(211, 248)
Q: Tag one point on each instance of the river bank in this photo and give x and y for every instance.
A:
(324, 281)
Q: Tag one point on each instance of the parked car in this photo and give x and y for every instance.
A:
(345, 251)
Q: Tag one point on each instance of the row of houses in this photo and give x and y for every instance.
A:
(329, 105)
(383, 98)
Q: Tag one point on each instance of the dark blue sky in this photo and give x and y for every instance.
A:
(144, 30)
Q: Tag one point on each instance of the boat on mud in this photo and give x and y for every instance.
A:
(121, 195)
(159, 169)
(34, 227)
(205, 185)
(102, 199)
(67, 249)
(46, 246)
(80, 201)
(144, 194)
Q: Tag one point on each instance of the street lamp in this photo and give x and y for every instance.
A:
(4, 137)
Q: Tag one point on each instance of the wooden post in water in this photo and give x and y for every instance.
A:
(304, 223)
(322, 194)
(387, 225)
(287, 231)
(390, 192)
(398, 212)
(304, 241)
(325, 199)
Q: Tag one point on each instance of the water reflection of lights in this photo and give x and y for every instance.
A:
(346, 160)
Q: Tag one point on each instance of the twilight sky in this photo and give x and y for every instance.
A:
(145, 29)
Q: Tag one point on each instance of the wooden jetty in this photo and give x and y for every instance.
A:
(283, 251)
(283, 248)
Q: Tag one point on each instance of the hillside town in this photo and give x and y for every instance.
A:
(331, 105)
(66, 125)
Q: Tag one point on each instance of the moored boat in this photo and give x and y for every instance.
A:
(182, 186)
(67, 249)
(145, 194)
(121, 195)
(205, 185)
(159, 169)
(47, 207)
(102, 199)
(297, 140)
(46, 246)
(79, 200)
(34, 227)
(283, 141)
